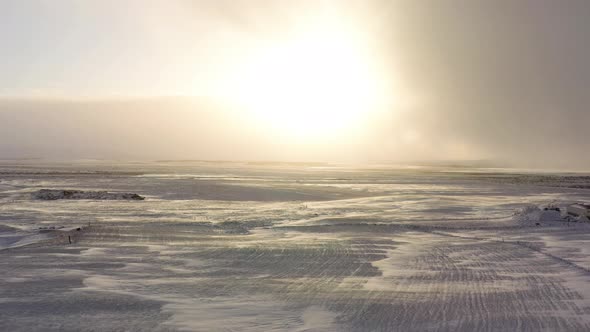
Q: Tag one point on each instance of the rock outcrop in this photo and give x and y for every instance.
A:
(54, 194)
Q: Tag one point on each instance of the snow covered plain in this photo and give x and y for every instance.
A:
(279, 247)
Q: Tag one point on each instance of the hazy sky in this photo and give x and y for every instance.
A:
(507, 80)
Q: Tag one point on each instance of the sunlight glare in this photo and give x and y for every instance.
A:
(320, 83)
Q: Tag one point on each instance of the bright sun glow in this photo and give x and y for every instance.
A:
(319, 83)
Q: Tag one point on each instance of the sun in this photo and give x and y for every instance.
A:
(319, 83)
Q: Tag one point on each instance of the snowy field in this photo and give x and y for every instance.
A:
(291, 247)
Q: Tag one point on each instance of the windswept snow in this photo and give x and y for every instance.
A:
(310, 250)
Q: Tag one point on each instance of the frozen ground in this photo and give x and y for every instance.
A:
(268, 247)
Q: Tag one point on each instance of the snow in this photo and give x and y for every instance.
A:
(293, 249)
(20, 239)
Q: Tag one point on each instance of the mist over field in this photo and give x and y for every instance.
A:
(193, 128)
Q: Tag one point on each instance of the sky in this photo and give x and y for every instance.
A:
(343, 81)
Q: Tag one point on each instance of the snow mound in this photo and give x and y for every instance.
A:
(54, 194)
(532, 213)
